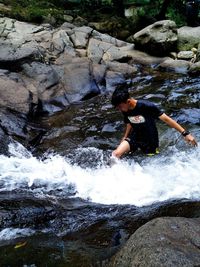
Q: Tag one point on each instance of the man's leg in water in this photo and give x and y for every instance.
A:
(123, 148)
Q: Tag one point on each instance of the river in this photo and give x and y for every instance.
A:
(65, 203)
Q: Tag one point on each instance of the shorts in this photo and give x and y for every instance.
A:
(148, 149)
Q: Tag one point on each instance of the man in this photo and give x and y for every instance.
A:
(141, 131)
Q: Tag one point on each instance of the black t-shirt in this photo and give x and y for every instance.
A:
(142, 119)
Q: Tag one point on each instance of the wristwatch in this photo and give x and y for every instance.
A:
(185, 133)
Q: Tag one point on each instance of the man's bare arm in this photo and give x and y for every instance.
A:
(173, 124)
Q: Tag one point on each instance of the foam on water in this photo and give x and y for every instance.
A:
(176, 175)
(12, 233)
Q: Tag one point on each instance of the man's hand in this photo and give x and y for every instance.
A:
(191, 140)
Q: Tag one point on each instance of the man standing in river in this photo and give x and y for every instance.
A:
(141, 131)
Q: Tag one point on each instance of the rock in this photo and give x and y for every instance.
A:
(79, 21)
(118, 53)
(12, 124)
(162, 242)
(81, 52)
(189, 116)
(158, 39)
(96, 50)
(178, 66)
(138, 57)
(4, 140)
(123, 68)
(187, 55)
(50, 19)
(16, 43)
(173, 55)
(198, 53)
(99, 71)
(56, 67)
(60, 40)
(76, 78)
(195, 69)
(44, 75)
(10, 53)
(188, 37)
(108, 49)
(80, 36)
(113, 79)
(14, 94)
(109, 39)
(68, 18)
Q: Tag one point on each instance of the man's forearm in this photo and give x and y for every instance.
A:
(172, 123)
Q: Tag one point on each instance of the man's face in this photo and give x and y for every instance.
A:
(123, 107)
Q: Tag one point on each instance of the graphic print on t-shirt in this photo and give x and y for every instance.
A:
(136, 119)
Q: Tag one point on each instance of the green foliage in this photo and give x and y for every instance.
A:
(177, 16)
(175, 11)
(146, 10)
(34, 10)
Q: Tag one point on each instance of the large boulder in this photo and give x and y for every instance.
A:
(157, 39)
(188, 37)
(162, 242)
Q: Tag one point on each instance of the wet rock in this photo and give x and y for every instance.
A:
(190, 116)
(4, 141)
(157, 39)
(188, 37)
(178, 66)
(162, 242)
(138, 57)
(99, 71)
(13, 123)
(113, 79)
(123, 68)
(195, 68)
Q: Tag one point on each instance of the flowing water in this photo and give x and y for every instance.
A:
(67, 197)
(173, 174)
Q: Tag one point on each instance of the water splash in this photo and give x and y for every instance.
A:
(12, 233)
(174, 174)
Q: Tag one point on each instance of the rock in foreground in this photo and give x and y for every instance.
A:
(162, 242)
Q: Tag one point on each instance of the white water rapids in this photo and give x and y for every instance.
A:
(159, 178)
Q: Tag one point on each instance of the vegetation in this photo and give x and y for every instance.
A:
(147, 11)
